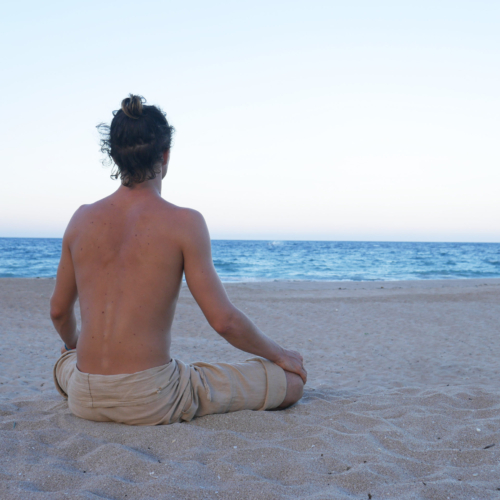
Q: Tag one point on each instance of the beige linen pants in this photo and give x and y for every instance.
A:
(170, 393)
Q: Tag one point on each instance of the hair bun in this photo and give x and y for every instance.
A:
(132, 106)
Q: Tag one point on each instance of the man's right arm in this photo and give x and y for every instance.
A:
(208, 291)
(65, 293)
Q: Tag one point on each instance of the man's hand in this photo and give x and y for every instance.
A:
(292, 361)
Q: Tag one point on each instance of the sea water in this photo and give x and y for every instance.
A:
(238, 260)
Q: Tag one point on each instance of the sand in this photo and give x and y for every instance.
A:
(402, 402)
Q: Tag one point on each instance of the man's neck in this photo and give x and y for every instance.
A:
(146, 188)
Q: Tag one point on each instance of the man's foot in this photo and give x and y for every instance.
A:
(294, 390)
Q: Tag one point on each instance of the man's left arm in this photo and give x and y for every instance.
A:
(62, 302)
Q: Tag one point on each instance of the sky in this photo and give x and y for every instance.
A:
(320, 120)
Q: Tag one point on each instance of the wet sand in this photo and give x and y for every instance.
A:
(402, 402)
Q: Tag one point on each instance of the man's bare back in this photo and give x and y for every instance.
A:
(123, 257)
(128, 260)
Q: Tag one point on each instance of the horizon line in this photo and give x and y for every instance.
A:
(292, 240)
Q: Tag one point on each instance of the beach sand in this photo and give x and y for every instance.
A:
(402, 401)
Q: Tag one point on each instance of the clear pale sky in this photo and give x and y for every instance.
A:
(334, 120)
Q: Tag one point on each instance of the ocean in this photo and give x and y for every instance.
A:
(242, 260)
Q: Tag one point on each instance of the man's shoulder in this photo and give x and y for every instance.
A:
(185, 222)
(102, 207)
(187, 215)
(83, 212)
(77, 217)
(91, 208)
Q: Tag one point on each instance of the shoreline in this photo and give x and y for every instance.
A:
(472, 281)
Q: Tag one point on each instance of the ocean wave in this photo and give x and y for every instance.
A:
(296, 260)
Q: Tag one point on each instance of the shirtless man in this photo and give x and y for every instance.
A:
(124, 257)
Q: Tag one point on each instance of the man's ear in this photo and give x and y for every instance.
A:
(166, 156)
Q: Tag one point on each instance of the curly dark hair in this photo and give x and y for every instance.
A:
(136, 140)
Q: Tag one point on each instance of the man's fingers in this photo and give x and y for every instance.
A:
(295, 364)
